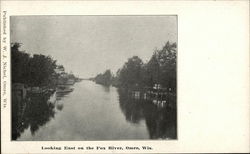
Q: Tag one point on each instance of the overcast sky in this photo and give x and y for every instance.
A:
(87, 45)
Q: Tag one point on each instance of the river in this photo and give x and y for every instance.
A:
(92, 112)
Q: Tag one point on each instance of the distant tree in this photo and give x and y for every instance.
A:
(104, 79)
(107, 76)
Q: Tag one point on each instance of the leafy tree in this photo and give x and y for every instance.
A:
(167, 61)
(36, 70)
(42, 70)
(104, 79)
(160, 69)
(152, 71)
(130, 74)
(19, 63)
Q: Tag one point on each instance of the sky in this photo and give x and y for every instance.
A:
(88, 45)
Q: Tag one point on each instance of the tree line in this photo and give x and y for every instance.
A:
(104, 78)
(160, 69)
(32, 70)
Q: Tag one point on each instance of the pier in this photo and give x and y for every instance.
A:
(157, 95)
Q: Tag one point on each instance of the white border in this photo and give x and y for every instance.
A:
(213, 73)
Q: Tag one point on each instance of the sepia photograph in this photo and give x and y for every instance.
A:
(93, 77)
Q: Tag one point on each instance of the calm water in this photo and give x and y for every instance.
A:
(91, 112)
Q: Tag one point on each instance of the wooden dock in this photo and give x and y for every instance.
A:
(160, 96)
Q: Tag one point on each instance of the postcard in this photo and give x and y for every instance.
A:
(124, 76)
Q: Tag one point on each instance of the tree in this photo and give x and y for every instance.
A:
(19, 63)
(104, 79)
(130, 74)
(152, 71)
(167, 63)
(36, 70)
(42, 70)
(160, 69)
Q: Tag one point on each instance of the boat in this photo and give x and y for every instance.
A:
(64, 89)
(70, 82)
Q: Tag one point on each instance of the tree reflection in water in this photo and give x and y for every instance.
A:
(37, 109)
(160, 119)
(32, 112)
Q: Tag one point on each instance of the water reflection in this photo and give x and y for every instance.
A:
(102, 108)
(34, 111)
(106, 88)
(59, 106)
(160, 118)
